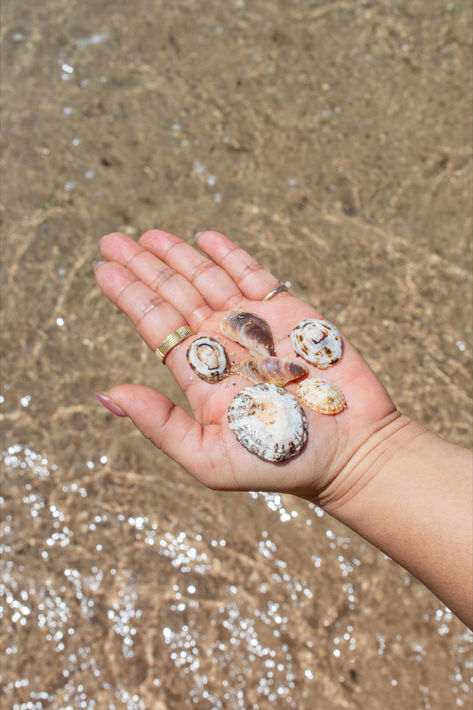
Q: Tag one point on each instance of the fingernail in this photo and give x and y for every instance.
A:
(97, 264)
(109, 404)
(102, 238)
(197, 235)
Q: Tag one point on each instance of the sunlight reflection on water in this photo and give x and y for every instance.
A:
(82, 586)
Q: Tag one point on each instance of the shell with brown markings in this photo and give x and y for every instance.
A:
(322, 396)
(318, 341)
(248, 330)
(276, 370)
(268, 421)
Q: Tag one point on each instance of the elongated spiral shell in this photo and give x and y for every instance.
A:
(318, 341)
(248, 330)
(268, 421)
(322, 396)
(208, 359)
(276, 370)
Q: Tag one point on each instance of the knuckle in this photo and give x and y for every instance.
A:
(122, 296)
(251, 268)
(147, 236)
(137, 254)
(231, 302)
(161, 278)
(149, 306)
(199, 269)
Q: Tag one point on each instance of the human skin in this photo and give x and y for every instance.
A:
(385, 476)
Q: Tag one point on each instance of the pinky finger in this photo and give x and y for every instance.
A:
(161, 421)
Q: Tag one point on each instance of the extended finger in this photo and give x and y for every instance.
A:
(216, 286)
(153, 316)
(163, 280)
(252, 279)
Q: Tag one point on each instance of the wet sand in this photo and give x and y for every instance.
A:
(333, 142)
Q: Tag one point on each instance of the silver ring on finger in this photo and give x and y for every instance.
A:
(275, 291)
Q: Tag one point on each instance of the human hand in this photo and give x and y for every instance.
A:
(162, 283)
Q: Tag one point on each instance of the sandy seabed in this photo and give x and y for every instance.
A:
(332, 140)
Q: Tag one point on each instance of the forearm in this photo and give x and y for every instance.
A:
(410, 494)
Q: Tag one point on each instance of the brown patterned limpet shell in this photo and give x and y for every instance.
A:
(318, 341)
(248, 330)
(208, 359)
(276, 370)
(322, 396)
(268, 421)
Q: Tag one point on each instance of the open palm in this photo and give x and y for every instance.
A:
(162, 283)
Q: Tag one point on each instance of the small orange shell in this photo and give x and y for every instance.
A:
(276, 370)
(322, 396)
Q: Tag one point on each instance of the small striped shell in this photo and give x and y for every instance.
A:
(268, 421)
(276, 370)
(248, 330)
(322, 396)
(318, 341)
(208, 359)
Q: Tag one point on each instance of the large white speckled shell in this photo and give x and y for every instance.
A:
(276, 370)
(268, 421)
(322, 396)
(248, 330)
(208, 359)
(318, 341)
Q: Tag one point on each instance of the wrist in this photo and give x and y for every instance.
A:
(392, 440)
(409, 493)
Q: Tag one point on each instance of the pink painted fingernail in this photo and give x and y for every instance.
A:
(109, 404)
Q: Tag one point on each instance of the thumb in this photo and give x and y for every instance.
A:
(161, 421)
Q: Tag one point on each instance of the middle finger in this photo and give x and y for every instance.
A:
(158, 276)
(213, 283)
(153, 317)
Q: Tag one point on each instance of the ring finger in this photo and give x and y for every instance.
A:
(158, 276)
(250, 277)
(153, 316)
(216, 286)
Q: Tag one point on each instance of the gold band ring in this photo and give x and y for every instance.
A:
(171, 341)
(277, 290)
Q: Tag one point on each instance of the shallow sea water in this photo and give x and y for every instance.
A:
(333, 142)
(104, 605)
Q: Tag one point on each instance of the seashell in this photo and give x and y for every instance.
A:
(208, 359)
(250, 331)
(268, 421)
(276, 370)
(322, 396)
(318, 341)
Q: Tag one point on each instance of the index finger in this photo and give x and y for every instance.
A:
(153, 317)
(213, 283)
